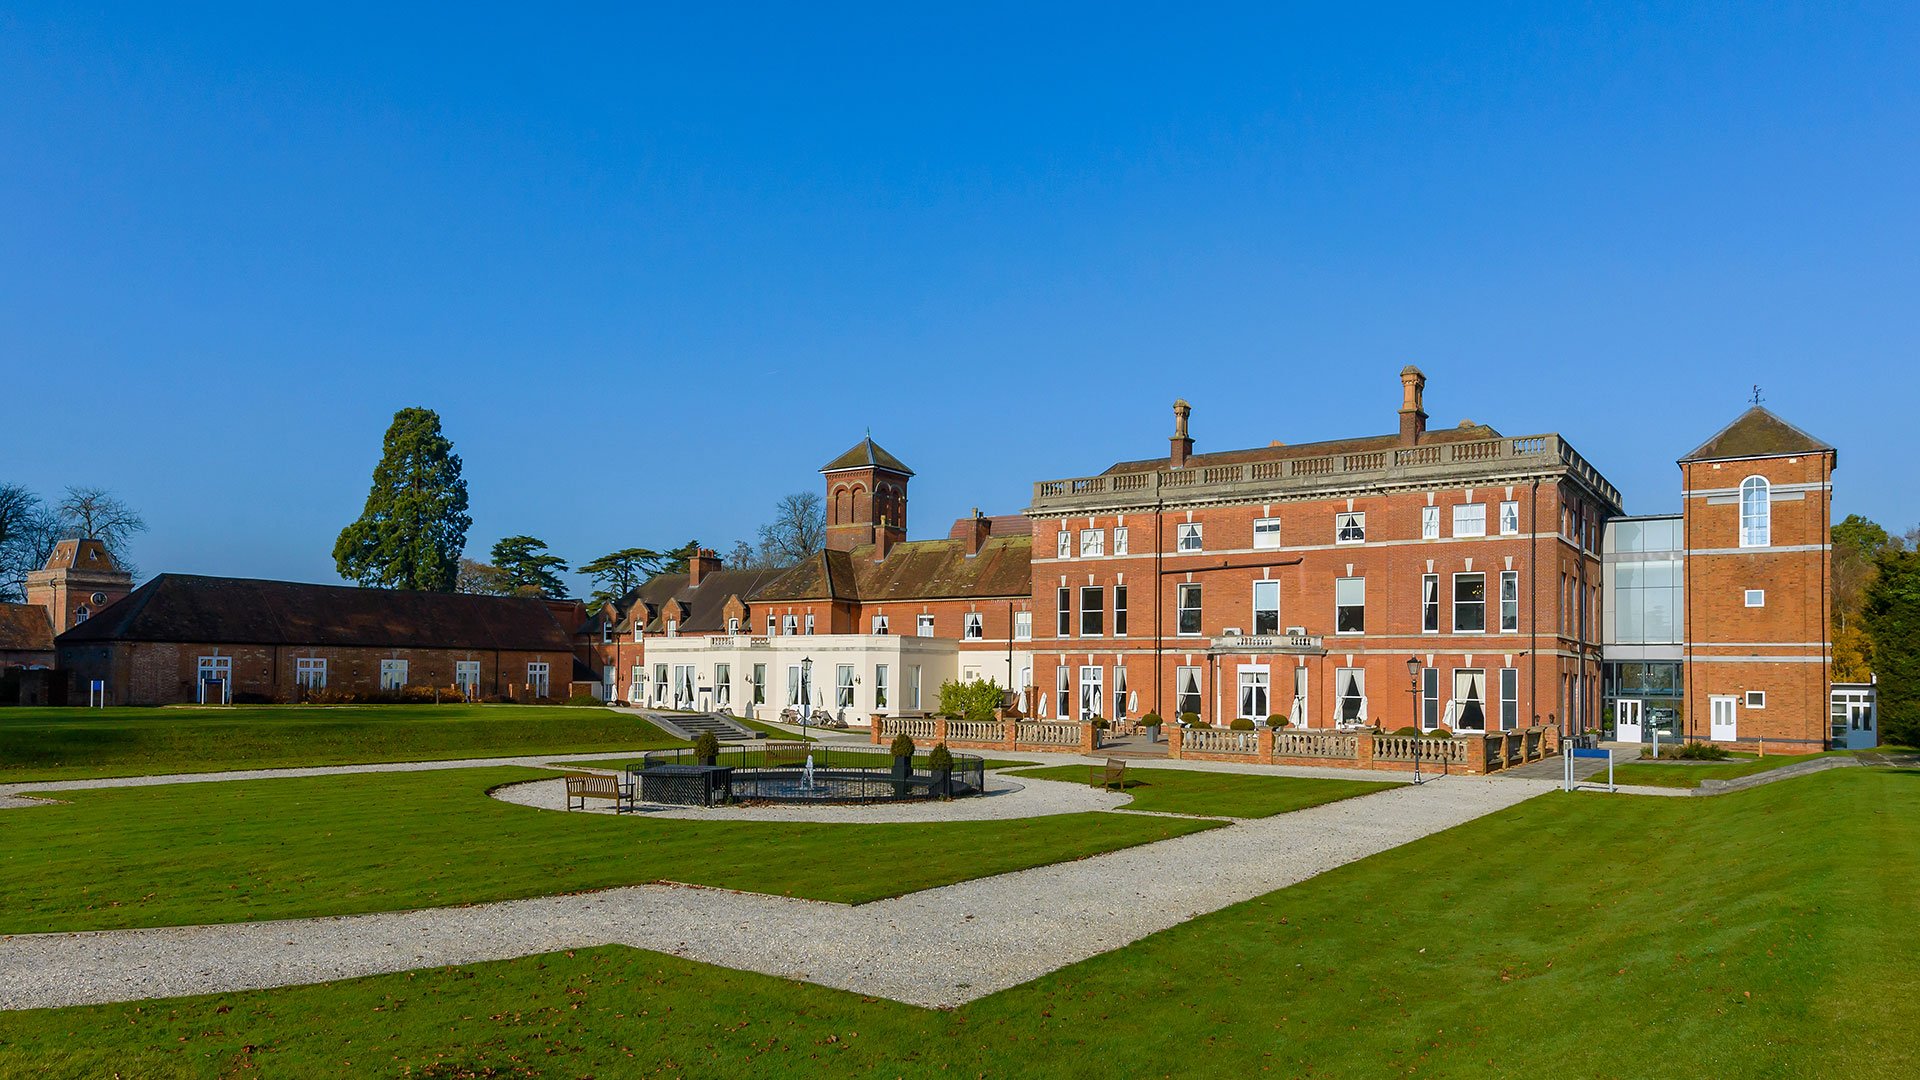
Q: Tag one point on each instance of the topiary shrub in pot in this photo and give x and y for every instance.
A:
(1189, 719)
(940, 763)
(1241, 723)
(1439, 733)
(902, 761)
(706, 748)
(1413, 731)
(1276, 722)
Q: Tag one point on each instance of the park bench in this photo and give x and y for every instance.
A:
(584, 786)
(1111, 775)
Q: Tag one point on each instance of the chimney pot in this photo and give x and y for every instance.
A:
(1182, 443)
(1413, 413)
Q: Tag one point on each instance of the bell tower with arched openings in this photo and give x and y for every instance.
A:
(866, 497)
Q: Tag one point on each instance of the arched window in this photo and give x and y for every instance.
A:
(1756, 513)
(82, 614)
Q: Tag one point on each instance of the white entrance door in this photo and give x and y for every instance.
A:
(1724, 713)
(1626, 719)
(1090, 683)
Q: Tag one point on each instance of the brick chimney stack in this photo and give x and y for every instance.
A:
(978, 529)
(885, 535)
(1182, 442)
(1413, 414)
(702, 562)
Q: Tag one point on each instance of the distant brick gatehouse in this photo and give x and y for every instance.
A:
(183, 638)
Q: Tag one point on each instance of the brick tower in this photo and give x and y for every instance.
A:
(79, 579)
(1757, 501)
(866, 497)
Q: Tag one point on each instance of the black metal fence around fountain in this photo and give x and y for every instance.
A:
(801, 773)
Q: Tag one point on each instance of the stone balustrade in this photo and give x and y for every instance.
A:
(1469, 753)
(988, 734)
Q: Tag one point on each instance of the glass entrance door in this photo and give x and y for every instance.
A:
(1627, 713)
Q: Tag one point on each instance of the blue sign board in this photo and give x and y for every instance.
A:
(1582, 752)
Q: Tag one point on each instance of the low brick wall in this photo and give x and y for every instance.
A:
(1485, 753)
(1062, 736)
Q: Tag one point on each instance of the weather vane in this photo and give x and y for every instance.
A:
(1757, 399)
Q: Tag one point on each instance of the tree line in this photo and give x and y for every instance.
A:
(1876, 620)
(412, 532)
(30, 526)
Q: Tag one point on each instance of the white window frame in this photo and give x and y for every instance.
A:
(539, 679)
(393, 674)
(636, 681)
(1509, 605)
(1023, 626)
(974, 627)
(913, 687)
(1063, 612)
(1189, 537)
(1509, 698)
(1350, 527)
(1510, 518)
(789, 625)
(882, 685)
(1429, 523)
(1358, 583)
(1756, 598)
(843, 686)
(1119, 539)
(1430, 603)
(1266, 585)
(1064, 548)
(1093, 543)
(757, 680)
(1459, 605)
(1093, 620)
(673, 627)
(1341, 698)
(1756, 699)
(1182, 677)
(770, 624)
(1119, 611)
(1252, 680)
(733, 625)
(1062, 690)
(880, 624)
(809, 623)
(1093, 691)
(310, 672)
(1266, 534)
(1470, 519)
(638, 630)
(1180, 594)
(795, 691)
(1756, 512)
(923, 626)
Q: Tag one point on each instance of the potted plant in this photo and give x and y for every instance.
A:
(902, 762)
(940, 761)
(1276, 722)
(706, 748)
(1152, 723)
(1240, 723)
(1189, 719)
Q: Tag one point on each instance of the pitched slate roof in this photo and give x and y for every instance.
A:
(25, 628)
(1757, 433)
(1464, 433)
(219, 610)
(914, 570)
(700, 608)
(997, 525)
(864, 453)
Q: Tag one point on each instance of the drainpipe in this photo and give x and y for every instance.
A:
(1533, 599)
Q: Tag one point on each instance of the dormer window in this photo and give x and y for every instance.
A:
(82, 613)
(606, 632)
(733, 626)
(1756, 512)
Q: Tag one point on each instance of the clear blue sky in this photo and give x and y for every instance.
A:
(652, 269)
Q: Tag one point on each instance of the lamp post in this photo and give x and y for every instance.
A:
(806, 694)
(1413, 692)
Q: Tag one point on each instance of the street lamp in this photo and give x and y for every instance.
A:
(1413, 693)
(806, 694)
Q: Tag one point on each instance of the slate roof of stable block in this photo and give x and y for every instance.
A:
(704, 605)
(1757, 433)
(25, 628)
(912, 570)
(214, 610)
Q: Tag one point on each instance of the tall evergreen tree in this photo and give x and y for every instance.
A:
(414, 527)
(1892, 618)
(527, 568)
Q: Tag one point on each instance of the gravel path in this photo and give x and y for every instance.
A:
(1003, 799)
(940, 947)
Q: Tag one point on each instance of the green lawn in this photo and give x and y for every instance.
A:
(1689, 774)
(63, 744)
(335, 845)
(1763, 934)
(1217, 794)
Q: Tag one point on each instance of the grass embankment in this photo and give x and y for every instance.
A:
(65, 744)
(1764, 933)
(335, 845)
(1218, 794)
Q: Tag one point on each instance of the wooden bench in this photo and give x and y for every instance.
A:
(584, 786)
(1112, 775)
